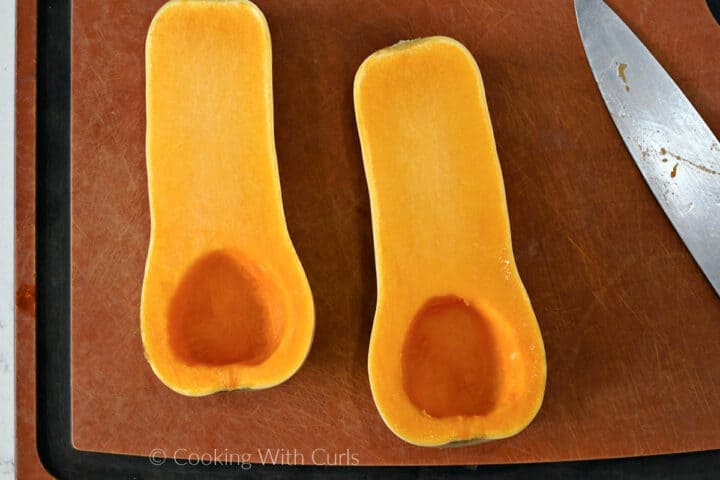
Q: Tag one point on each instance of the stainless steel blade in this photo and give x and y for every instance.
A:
(677, 153)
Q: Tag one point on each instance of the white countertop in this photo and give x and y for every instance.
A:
(7, 239)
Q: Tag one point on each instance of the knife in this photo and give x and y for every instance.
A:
(675, 150)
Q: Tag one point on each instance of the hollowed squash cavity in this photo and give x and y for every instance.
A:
(225, 301)
(224, 311)
(455, 354)
(449, 360)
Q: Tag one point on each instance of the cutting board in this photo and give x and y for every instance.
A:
(631, 327)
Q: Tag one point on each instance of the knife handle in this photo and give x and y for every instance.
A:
(714, 6)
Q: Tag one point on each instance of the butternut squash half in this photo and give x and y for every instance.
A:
(455, 353)
(225, 302)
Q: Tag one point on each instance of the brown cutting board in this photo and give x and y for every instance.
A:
(631, 326)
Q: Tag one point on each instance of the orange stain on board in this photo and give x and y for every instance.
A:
(25, 298)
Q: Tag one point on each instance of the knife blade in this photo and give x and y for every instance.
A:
(675, 150)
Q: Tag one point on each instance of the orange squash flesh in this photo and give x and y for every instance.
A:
(455, 354)
(225, 302)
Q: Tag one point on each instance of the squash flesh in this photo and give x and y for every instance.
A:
(225, 302)
(441, 230)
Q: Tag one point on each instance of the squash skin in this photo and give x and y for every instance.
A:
(217, 222)
(441, 228)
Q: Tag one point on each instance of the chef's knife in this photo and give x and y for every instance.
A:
(676, 152)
